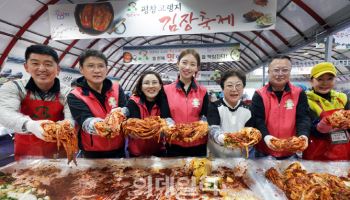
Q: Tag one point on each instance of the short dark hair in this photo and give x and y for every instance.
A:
(193, 53)
(91, 53)
(228, 74)
(138, 88)
(41, 49)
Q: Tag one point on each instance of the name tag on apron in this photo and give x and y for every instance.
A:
(340, 137)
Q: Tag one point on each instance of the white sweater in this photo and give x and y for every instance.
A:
(226, 120)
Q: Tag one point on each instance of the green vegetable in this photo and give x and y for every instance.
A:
(265, 20)
(6, 198)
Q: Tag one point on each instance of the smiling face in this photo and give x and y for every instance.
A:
(94, 70)
(43, 69)
(188, 66)
(233, 90)
(324, 83)
(150, 87)
(279, 72)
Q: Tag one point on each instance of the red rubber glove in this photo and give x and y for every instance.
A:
(323, 126)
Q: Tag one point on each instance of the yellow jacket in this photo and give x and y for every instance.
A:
(318, 104)
(320, 144)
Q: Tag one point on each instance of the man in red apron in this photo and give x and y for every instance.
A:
(25, 104)
(280, 109)
(91, 101)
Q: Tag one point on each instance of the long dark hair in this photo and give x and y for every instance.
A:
(138, 88)
(191, 52)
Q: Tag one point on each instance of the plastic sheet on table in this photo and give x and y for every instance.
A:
(252, 171)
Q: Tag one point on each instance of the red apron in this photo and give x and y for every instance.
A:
(97, 143)
(29, 144)
(280, 116)
(186, 109)
(144, 147)
(323, 149)
(195, 143)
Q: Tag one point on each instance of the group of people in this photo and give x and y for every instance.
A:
(279, 109)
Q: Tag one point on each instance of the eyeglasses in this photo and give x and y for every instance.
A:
(280, 71)
(149, 83)
(238, 86)
(98, 67)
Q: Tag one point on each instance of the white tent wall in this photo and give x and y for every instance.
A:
(64, 76)
(343, 86)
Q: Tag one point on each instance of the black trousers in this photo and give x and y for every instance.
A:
(196, 151)
(119, 153)
(6, 150)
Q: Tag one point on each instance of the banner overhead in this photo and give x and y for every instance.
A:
(342, 39)
(127, 18)
(224, 52)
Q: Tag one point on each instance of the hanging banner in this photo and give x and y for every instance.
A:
(127, 18)
(200, 76)
(168, 53)
(342, 39)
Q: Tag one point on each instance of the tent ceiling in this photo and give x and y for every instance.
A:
(299, 25)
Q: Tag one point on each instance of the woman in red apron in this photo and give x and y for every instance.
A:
(188, 102)
(146, 102)
(325, 142)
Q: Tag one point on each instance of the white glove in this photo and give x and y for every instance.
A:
(123, 110)
(89, 125)
(221, 138)
(215, 132)
(307, 142)
(267, 140)
(170, 122)
(203, 118)
(4, 131)
(35, 128)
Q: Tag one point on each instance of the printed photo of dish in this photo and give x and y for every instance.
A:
(252, 15)
(118, 26)
(235, 54)
(94, 18)
(261, 2)
(265, 21)
(127, 57)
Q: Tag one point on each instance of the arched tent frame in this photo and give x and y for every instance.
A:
(299, 24)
